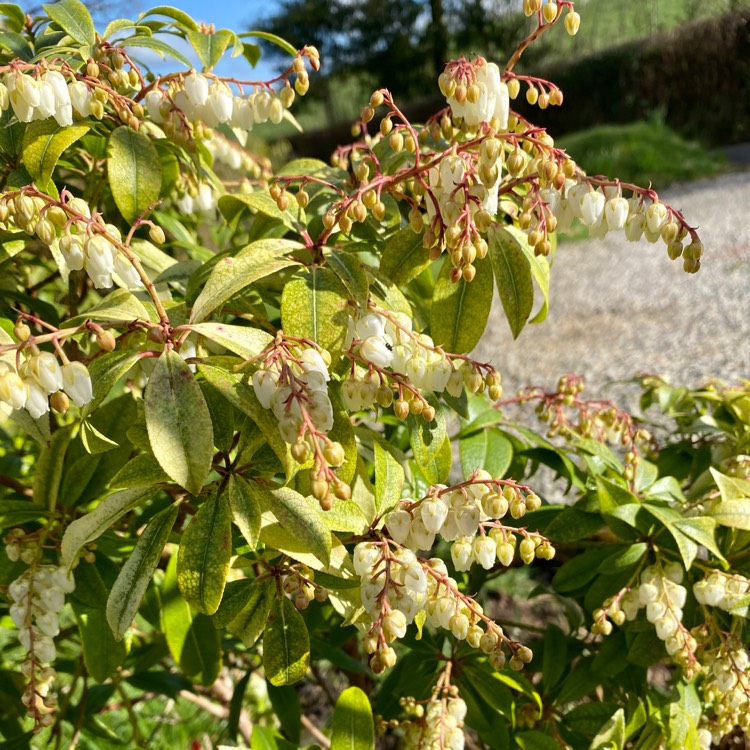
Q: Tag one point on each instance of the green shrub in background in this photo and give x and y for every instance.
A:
(250, 466)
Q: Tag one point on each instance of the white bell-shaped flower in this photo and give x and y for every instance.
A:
(592, 207)
(196, 88)
(77, 383)
(80, 98)
(127, 273)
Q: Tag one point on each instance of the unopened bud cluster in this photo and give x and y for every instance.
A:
(403, 364)
(37, 597)
(663, 596)
(438, 724)
(723, 590)
(725, 693)
(299, 585)
(40, 381)
(466, 516)
(83, 242)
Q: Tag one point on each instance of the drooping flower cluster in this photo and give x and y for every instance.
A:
(723, 590)
(402, 364)
(293, 384)
(201, 199)
(662, 594)
(725, 693)
(48, 94)
(467, 515)
(475, 93)
(39, 377)
(82, 241)
(37, 597)
(438, 724)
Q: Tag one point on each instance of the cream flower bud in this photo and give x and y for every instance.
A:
(220, 101)
(459, 626)
(52, 599)
(462, 553)
(44, 649)
(48, 624)
(153, 100)
(99, 260)
(77, 383)
(467, 518)
(420, 537)
(484, 551)
(312, 361)
(656, 216)
(71, 247)
(455, 385)
(394, 625)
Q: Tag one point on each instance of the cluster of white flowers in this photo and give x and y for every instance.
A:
(438, 725)
(211, 101)
(80, 245)
(40, 376)
(464, 516)
(201, 200)
(292, 385)
(46, 94)
(662, 594)
(475, 93)
(726, 693)
(231, 154)
(722, 590)
(37, 597)
(605, 209)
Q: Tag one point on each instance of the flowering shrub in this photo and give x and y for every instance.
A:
(245, 436)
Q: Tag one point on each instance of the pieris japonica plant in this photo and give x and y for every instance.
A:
(248, 461)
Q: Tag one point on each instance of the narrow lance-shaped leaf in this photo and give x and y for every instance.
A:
(203, 560)
(132, 582)
(73, 18)
(250, 623)
(286, 644)
(133, 171)
(246, 512)
(178, 422)
(389, 479)
(352, 727)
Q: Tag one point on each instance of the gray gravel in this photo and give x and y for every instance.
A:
(619, 308)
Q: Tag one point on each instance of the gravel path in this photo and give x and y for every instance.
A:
(618, 308)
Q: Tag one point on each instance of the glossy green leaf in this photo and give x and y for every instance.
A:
(105, 371)
(178, 422)
(459, 311)
(141, 471)
(245, 508)
(538, 264)
(209, 46)
(315, 305)
(734, 508)
(205, 551)
(389, 479)
(277, 40)
(93, 524)
(233, 273)
(133, 171)
(251, 621)
(192, 639)
(352, 273)
(232, 205)
(136, 574)
(44, 142)
(237, 595)
(102, 654)
(611, 736)
(73, 18)
(246, 341)
(352, 726)
(513, 276)
(286, 644)
(182, 18)
(119, 306)
(404, 256)
(156, 45)
(488, 449)
(430, 444)
(17, 512)
(49, 469)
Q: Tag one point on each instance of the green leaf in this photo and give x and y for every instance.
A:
(73, 18)
(16, 44)
(701, 530)
(232, 206)
(533, 740)
(286, 644)
(102, 654)
(133, 171)
(612, 734)
(538, 265)
(193, 641)
(250, 623)
(182, 18)
(297, 516)
(17, 512)
(459, 311)
(232, 274)
(205, 550)
(49, 469)
(246, 341)
(44, 142)
(246, 511)
(352, 273)
(352, 725)
(734, 508)
(428, 442)
(178, 422)
(489, 450)
(555, 656)
(389, 479)
(513, 276)
(105, 371)
(133, 580)
(141, 471)
(93, 524)
(157, 45)
(277, 40)
(404, 256)
(315, 305)
(286, 706)
(209, 46)
(119, 306)
(14, 14)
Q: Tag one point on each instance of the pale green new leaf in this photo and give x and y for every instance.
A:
(459, 311)
(286, 644)
(93, 524)
(44, 142)
(612, 735)
(73, 18)
(246, 341)
(234, 273)
(119, 306)
(178, 422)
(157, 45)
(513, 276)
(182, 18)
(133, 171)
(352, 726)
(133, 580)
(734, 508)
(205, 550)
(315, 305)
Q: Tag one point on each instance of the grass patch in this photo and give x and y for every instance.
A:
(642, 153)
